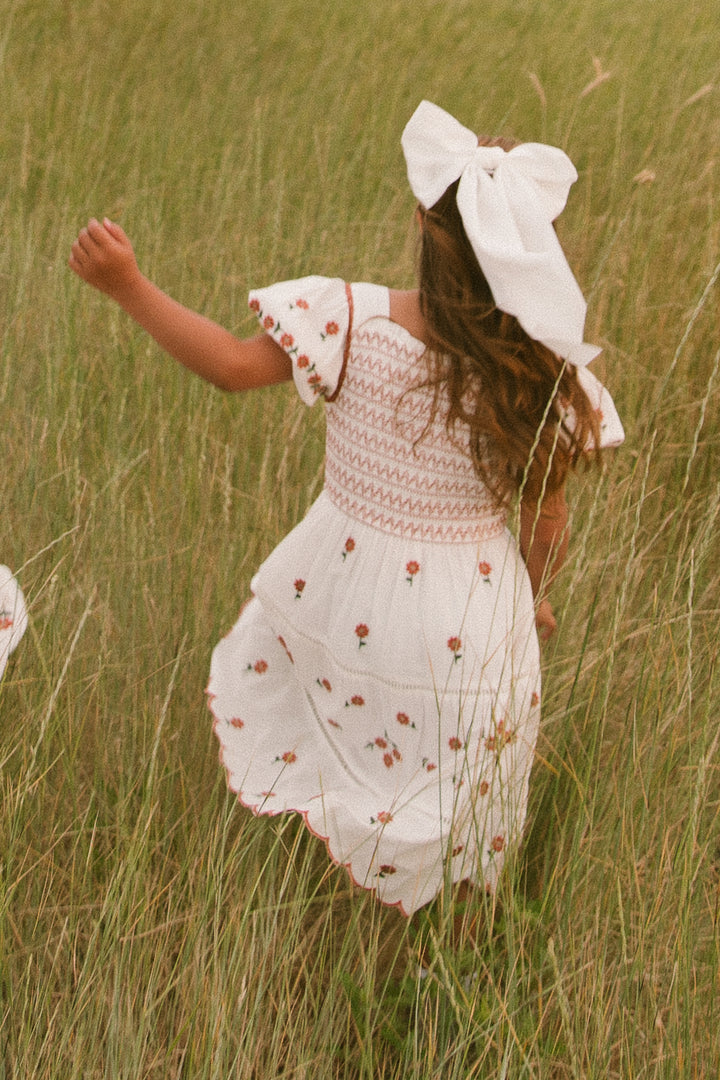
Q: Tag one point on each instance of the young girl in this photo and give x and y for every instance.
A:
(383, 680)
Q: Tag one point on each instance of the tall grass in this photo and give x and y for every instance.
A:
(148, 926)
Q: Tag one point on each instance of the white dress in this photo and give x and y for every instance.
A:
(384, 679)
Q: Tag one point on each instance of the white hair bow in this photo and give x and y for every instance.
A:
(507, 202)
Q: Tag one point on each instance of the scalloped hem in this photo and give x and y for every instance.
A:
(255, 808)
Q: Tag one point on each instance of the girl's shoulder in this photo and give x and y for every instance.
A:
(404, 309)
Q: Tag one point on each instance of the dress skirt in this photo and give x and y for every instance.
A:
(387, 689)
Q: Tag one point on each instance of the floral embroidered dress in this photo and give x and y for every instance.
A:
(384, 681)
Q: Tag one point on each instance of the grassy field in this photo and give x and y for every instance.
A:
(149, 928)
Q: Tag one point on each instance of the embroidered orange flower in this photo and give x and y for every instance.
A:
(236, 722)
(384, 817)
(334, 723)
(403, 718)
(454, 743)
(5, 622)
(500, 739)
(396, 754)
(268, 322)
(456, 850)
(302, 304)
(287, 341)
(455, 645)
(388, 759)
(382, 743)
(362, 632)
(485, 569)
(498, 843)
(326, 684)
(303, 361)
(412, 568)
(254, 304)
(349, 546)
(484, 787)
(331, 329)
(535, 699)
(386, 869)
(289, 757)
(430, 766)
(299, 586)
(357, 699)
(314, 379)
(260, 666)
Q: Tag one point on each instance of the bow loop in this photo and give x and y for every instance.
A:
(439, 148)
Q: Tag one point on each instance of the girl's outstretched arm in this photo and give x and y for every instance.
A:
(544, 538)
(103, 256)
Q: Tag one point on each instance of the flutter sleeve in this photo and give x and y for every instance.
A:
(612, 432)
(611, 429)
(309, 319)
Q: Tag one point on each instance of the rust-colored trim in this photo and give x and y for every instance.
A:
(346, 351)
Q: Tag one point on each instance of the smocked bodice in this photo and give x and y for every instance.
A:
(382, 466)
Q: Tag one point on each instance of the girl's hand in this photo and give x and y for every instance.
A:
(103, 256)
(545, 621)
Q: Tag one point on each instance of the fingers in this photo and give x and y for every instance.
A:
(93, 232)
(103, 257)
(84, 252)
(92, 243)
(545, 621)
(78, 256)
(96, 237)
(115, 230)
(88, 244)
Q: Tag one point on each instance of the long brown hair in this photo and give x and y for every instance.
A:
(509, 391)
